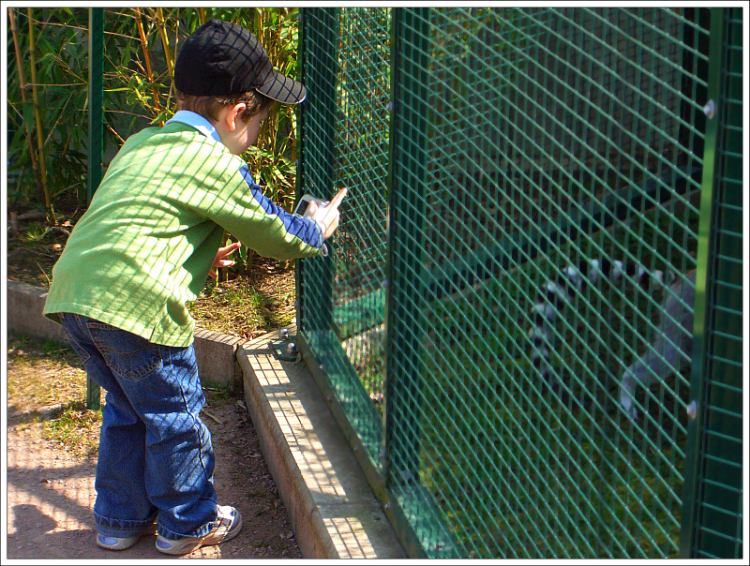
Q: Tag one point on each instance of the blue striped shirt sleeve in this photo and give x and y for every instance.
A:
(306, 229)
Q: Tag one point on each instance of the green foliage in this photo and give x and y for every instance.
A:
(61, 96)
(35, 232)
(140, 47)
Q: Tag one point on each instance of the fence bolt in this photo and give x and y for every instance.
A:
(284, 333)
(710, 109)
(692, 410)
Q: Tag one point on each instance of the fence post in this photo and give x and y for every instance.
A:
(300, 162)
(712, 509)
(96, 75)
(96, 135)
(406, 330)
(703, 276)
(320, 42)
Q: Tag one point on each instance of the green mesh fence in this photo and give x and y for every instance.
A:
(506, 315)
(345, 57)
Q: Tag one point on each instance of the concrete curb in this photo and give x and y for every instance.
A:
(333, 511)
(216, 352)
(24, 316)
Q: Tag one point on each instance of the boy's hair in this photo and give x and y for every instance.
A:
(210, 106)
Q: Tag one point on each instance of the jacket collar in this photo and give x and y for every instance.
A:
(196, 121)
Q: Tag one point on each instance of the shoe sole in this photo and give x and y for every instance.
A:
(120, 545)
(124, 546)
(182, 549)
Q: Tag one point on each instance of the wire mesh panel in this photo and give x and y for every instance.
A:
(556, 202)
(544, 182)
(345, 125)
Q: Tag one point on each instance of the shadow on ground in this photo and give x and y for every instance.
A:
(51, 497)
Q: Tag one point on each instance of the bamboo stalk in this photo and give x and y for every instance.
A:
(259, 27)
(147, 59)
(174, 56)
(114, 133)
(161, 24)
(38, 122)
(22, 86)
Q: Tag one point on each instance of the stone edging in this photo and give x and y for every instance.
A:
(331, 505)
(216, 352)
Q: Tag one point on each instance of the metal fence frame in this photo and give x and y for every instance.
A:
(718, 264)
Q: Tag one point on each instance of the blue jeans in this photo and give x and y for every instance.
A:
(155, 453)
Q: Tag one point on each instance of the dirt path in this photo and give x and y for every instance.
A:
(51, 496)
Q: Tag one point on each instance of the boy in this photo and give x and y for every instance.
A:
(142, 251)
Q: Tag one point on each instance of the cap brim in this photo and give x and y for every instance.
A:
(283, 89)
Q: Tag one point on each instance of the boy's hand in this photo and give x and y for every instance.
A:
(219, 260)
(327, 216)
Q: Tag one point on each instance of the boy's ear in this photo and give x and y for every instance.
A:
(233, 114)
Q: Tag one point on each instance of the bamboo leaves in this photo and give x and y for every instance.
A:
(48, 101)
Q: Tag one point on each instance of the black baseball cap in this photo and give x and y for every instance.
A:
(224, 59)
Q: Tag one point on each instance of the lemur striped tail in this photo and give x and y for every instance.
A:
(556, 292)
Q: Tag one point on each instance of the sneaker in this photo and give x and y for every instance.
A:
(227, 525)
(122, 543)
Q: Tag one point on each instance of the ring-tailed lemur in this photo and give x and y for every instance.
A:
(670, 349)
